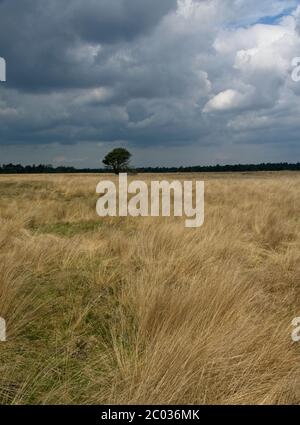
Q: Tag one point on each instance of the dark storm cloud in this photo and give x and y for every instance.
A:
(110, 21)
(42, 40)
(148, 73)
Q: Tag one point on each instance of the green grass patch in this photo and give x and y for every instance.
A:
(68, 229)
(24, 189)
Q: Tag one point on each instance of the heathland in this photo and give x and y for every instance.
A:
(144, 310)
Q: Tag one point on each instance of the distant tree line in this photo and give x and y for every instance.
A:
(41, 168)
(282, 166)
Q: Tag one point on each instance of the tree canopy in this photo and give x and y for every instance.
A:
(117, 160)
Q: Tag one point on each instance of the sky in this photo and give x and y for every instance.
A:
(177, 82)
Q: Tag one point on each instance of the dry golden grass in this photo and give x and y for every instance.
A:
(143, 310)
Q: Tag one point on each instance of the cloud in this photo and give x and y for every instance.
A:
(150, 73)
(227, 100)
(53, 48)
(114, 21)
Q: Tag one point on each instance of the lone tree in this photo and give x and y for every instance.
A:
(117, 160)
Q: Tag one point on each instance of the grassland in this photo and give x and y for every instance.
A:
(143, 310)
